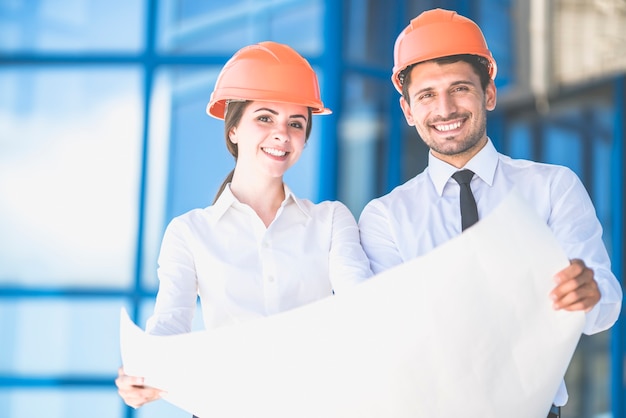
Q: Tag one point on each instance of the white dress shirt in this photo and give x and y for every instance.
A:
(243, 270)
(423, 213)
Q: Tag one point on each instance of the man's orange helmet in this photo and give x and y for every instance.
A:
(438, 33)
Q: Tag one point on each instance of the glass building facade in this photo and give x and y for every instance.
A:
(104, 138)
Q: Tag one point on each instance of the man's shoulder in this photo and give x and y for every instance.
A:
(541, 169)
(403, 193)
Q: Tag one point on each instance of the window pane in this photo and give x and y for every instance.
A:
(55, 337)
(224, 27)
(370, 33)
(520, 143)
(60, 403)
(498, 21)
(361, 140)
(563, 147)
(603, 183)
(69, 170)
(71, 26)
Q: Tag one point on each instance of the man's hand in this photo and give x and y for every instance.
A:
(576, 289)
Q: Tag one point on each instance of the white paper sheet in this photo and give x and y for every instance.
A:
(467, 330)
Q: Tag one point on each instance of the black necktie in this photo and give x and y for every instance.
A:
(469, 213)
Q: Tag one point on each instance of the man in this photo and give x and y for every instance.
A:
(445, 73)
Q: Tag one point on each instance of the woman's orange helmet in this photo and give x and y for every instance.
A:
(267, 71)
(438, 33)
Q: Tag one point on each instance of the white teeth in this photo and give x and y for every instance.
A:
(275, 152)
(449, 127)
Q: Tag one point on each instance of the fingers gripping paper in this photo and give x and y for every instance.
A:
(467, 330)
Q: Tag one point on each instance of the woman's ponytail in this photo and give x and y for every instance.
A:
(227, 180)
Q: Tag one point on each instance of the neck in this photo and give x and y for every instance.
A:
(461, 159)
(264, 197)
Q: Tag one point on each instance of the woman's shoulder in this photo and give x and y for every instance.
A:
(328, 211)
(322, 206)
(193, 217)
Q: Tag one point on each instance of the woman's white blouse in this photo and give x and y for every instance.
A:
(243, 270)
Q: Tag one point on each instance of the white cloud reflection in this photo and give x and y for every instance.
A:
(68, 193)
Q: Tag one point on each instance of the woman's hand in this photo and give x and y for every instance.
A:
(133, 391)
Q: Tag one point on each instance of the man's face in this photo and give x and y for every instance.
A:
(448, 108)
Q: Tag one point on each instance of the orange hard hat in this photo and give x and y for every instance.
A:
(267, 71)
(438, 33)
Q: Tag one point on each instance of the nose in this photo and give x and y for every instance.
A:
(445, 105)
(281, 132)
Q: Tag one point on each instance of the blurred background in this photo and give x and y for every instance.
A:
(104, 138)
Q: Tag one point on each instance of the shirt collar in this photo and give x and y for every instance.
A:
(482, 164)
(224, 202)
(289, 196)
(227, 199)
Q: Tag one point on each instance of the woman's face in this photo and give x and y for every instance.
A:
(270, 137)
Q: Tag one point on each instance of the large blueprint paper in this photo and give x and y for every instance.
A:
(467, 330)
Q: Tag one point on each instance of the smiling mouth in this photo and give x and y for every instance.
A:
(275, 152)
(447, 127)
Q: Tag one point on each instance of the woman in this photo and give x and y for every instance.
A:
(258, 250)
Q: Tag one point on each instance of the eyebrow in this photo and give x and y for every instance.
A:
(273, 112)
(456, 83)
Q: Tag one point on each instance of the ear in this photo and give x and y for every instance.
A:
(232, 135)
(490, 96)
(406, 109)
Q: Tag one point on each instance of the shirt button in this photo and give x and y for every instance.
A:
(270, 279)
